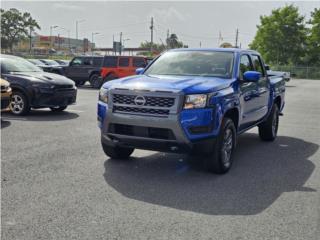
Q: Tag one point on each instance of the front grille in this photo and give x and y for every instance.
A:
(64, 86)
(147, 111)
(150, 100)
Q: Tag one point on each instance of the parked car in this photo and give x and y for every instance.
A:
(5, 94)
(285, 75)
(47, 67)
(62, 62)
(114, 67)
(34, 88)
(50, 62)
(196, 100)
(83, 68)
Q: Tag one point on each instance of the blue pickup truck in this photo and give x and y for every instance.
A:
(191, 100)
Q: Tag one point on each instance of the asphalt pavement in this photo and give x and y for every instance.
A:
(58, 184)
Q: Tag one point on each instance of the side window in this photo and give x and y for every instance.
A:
(110, 62)
(87, 61)
(123, 62)
(257, 63)
(76, 61)
(138, 62)
(245, 65)
(97, 61)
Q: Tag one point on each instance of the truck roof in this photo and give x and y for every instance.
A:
(215, 49)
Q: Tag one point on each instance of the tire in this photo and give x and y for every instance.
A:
(117, 152)
(19, 104)
(268, 130)
(110, 77)
(219, 161)
(94, 81)
(58, 109)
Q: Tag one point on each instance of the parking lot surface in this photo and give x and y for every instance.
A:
(58, 184)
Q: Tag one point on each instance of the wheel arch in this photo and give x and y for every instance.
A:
(233, 114)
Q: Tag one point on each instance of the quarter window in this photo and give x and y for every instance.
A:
(123, 62)
(138, 62)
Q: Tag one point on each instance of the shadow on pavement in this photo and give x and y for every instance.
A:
(262, 171)
(43, 115)
(5, 123)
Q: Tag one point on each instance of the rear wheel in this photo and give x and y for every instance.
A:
(19, 104)
(220, 159)
(117, 152)
(110, 77)
(95, 82)
(268, 130)
(58, 109)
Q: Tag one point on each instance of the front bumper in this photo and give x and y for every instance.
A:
(54, 98)
(169, 134)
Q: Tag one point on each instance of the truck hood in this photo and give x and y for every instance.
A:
(185, 84)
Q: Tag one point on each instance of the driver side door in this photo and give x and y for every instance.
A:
(73, 71)
(248, 93)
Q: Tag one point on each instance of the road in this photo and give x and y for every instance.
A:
(58, 184)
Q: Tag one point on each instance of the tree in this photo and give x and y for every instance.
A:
(281, 37)
(15, 26)
(313, 40)
(173, 42)
(155, 46)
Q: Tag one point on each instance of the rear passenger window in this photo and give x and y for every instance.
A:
(257, 64)
(138, 62)
(245, 65)
(110, 61)
(87, 61)
(123, 62)
(97, 61)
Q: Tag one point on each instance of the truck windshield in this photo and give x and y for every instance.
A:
(193, 63)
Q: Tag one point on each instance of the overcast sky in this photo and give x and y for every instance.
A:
(193, 22)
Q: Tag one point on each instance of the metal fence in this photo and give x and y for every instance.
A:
(300, 71)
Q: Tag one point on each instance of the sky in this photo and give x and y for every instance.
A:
(193, 22)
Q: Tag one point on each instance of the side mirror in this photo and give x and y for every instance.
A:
(139, 71)
(251, 76)
(267, 67)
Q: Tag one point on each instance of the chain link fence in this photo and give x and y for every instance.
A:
(305, 72)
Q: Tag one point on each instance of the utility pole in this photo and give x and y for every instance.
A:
(167, 40)
(237, 36)
(151, 29)
(200, 44)
(120, 50)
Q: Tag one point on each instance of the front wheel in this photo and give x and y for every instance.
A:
(117, 152)
(19, 104)
(268, 130)
(58, 109)
(220, 159)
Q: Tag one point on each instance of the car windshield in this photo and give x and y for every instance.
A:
(193, 63)
(19, 65)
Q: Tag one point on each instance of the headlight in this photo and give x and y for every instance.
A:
(195, 101)
(103, 95)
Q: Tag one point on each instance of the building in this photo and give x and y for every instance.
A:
(41, 44)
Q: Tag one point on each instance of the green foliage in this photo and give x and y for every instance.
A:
(173, 41)
(155, 46)
(15, 26)
(281, 37)
(313, 41)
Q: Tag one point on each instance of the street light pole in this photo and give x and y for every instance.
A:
(94, 33)
(52, 27)
(77, 23)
